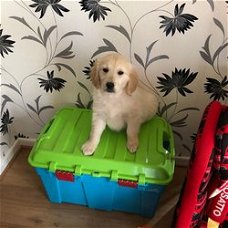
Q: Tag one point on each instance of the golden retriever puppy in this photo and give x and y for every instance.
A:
(119, 101)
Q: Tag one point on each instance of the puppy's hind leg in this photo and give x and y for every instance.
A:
(98, 127)
(132, 135)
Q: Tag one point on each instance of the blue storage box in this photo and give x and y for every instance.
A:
(111, 179)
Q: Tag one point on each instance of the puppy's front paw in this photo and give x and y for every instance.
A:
(132, 146)
(88, 148)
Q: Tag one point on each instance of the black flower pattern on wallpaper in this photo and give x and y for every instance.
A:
(217, 89)
(20, 135)
(52, 82)
(179, 21)
(6, 121)
(87, 69)
(178, 80)
(96, 10)
(42, 5)
(177, 117)
(79, 103)
(5, 44)
(59, 56)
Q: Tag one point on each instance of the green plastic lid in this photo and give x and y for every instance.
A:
(58, 147)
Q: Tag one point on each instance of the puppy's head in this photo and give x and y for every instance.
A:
(114, 74)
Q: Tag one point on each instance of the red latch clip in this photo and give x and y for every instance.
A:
(127, 183)
(64, 175)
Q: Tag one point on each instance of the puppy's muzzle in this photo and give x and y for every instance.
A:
(110, 87)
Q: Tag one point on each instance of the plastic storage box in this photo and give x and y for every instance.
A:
(111, 179)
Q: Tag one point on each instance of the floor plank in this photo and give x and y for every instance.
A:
(24, 203)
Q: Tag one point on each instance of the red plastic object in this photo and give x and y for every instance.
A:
(64, 175)
(127, 183)
(194, 195)
(218, 209)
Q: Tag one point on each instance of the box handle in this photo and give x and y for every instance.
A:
(167, 145)
(128, 183)
(64, 175)
(166, 141)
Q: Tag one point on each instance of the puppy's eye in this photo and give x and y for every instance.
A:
(105, 70)
(120, 72)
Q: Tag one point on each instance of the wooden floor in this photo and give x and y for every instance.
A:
(23, 203)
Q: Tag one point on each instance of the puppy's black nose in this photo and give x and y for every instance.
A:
(110, 86)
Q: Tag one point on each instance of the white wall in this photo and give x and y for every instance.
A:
(130, 28)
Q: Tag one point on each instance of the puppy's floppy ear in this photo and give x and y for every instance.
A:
(94, 75)
(133, 82)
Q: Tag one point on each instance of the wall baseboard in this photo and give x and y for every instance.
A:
(182, 161)
(20, 142)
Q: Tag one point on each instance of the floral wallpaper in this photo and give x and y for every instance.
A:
(48, 47)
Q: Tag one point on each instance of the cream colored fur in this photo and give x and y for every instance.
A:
(119, 101)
